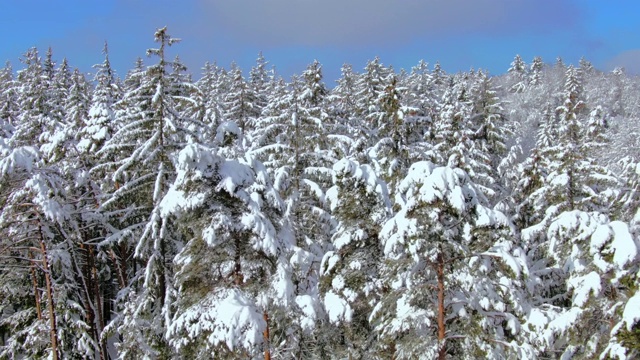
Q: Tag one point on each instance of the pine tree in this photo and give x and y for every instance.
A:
(9, 109)
(451, 272)
(535, 77)
(490, 156)
(343, 95)
(421, 90)
(574, 248)
(36, 120)
(350, 282)
(210, 85)
(233, 277)
(142, 151)
(259, 79)
(100, 124)
(240, 102)
(517, 73)
(369, 87)
(43, 212)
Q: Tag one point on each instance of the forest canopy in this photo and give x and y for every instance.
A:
(410, 214)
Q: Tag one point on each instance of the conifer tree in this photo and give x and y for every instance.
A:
(369, 87)
(343, 95)
(451, 272)
(36, 121)
(100, 124)
(240, 102)
(575, 250)
(210, 85)
(9, 110)
(233, 278)
(537, 66)
(259, 79)
(142, 151)
(350, 282)
(517, 73)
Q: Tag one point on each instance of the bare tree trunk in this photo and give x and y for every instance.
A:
(87, 282)
(121, 265)
(97, 299)
(267, 347)
(442, 352)
(36, 292)
(237, 268)
(52, 314)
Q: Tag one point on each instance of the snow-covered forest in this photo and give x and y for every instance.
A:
(396, 214)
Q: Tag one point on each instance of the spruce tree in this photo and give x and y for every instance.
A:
(451, 272)
(141, 156)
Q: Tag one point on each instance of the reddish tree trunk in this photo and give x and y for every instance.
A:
(267, 349)
(52, 314)
(36, 292)
(441, 309)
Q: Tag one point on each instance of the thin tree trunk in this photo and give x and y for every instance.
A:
(237, 269)
(36, 292)
(121, 262)
(442, 352)
(124, 255)
(570, 188)
(267, 347)
(87, 284)
(52, 314)
(97, 300)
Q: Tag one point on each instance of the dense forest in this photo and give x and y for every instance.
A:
(409, 214)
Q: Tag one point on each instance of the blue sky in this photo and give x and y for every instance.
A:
(292, 33)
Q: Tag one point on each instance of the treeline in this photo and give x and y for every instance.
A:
(397, 215)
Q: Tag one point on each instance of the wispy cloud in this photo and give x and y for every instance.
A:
(629, 60)
(366, 22)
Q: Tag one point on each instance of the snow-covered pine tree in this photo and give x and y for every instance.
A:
(439, 76)
(451, 272)
(291, 139)
(576, 252)
(518, 75)
(421, 90)
(369, 87)
(9, 109)
(351, 135)
(351, 282)
(36, 123)
(240, 102)
(100, 123)
(210, 85)
(40, 217)
(141, 155)
(390, 151)
(259, 80)
(26, 307)
(342, 96)
(490, 156)
(450, 135)
(234, 292)
(535, 71)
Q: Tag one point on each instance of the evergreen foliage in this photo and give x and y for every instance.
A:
(400, 214)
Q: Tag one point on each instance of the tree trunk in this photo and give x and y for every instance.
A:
(237, 261)
(267, 347)
(442, 352)
(52, 314)
(120, 263)
(97, 299)
(36, 292)
(85, 275)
